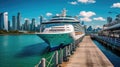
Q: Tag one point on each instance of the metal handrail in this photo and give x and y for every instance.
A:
(50, 60)
(114, 41)
(48, 57)
(47, 61)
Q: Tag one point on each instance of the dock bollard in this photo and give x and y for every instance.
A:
(56, 59)
(71, 48)
(69, 51)
(42, 64)
(61, 56)
(74, 46)
(65, 54)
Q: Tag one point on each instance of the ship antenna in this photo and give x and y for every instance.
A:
(76, 17)
(64, 12)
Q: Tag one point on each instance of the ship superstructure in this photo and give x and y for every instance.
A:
(61, 30)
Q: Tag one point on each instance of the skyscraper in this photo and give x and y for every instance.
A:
(118, 18)
(27, 25)
(18, 20)
(4, 21)
(41, 19)
(9, 25)
(1, 24)
(33, 25)
(14, 23)
(109, 19)
(89, 30)
(38, 27)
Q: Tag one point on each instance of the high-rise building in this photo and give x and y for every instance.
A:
(1, 24)
(41, 19)
(9, 25)
(118, 18)
(89, 28)
(18, 20)
(27, 25)
(38, 28)
(22, 27)
(109, 19)
(33, 25)
(14, 23)
(4, 21)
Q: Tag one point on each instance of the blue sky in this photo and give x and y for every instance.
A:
(92, 12)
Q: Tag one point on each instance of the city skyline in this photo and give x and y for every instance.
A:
(4, 21)
(92, 12)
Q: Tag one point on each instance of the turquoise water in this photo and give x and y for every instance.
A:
(21, 50)
(114, 58)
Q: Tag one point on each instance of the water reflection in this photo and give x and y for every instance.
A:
(33, 50)
(115, 59)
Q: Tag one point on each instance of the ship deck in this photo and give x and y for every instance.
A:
(87, 55)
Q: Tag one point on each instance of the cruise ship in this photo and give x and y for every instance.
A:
(61, 30)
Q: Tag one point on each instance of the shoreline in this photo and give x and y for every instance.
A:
(17, 34)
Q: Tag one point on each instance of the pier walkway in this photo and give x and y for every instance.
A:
(87, 55)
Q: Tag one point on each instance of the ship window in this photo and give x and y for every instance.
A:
(57, 30)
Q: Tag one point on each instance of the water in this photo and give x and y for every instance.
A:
(21, 50)
(27, 50)
(115, 59)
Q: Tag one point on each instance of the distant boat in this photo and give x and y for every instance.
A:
(61, 30)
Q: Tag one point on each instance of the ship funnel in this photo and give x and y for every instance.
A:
(64, 12)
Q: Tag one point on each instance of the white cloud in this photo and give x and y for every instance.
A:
(115, 5)
(91, 1)
(73, 3)
(99, 18)
(26, 19)
(86, 19)
(87, 14)
(57, 14)
(49, 14)
(87, 1)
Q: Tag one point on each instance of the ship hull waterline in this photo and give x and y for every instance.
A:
(57, 40)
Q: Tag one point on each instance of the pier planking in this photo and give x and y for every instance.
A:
(87, 55)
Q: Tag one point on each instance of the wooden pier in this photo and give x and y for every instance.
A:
(87, 55)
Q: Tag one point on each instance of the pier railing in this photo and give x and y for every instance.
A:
(59, 55)
(112, 42)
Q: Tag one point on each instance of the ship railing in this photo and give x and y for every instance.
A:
(59, 56)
